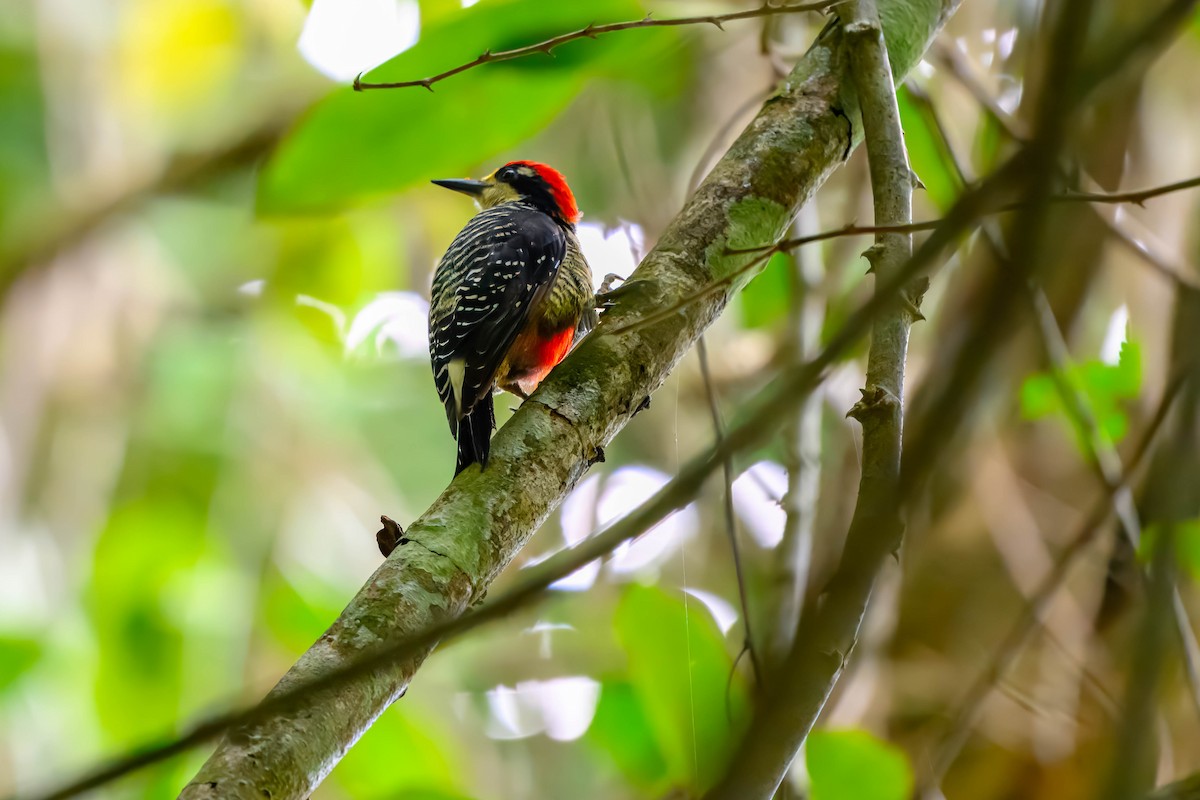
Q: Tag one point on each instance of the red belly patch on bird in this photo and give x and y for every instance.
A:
(533, 358)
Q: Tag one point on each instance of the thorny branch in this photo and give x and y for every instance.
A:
(876, 527)
(593, 31)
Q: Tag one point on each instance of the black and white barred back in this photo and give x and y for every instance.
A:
(495, 271)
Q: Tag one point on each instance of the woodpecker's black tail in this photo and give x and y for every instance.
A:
(475, 435)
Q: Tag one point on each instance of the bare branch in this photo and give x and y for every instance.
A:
(593, 31)
(730, 520)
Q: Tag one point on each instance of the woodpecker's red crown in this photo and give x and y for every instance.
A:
(531, 178)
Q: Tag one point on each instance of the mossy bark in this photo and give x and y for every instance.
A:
(483, 519)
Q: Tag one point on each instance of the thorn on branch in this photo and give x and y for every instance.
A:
(915, 179)
(358, 87)
(390, 536)
(428, 84)
(874, 400)
(872, 254)
(716, 23)
(913, 296)
(590, 30)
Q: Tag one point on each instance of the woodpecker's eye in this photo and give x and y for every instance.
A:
(506, 174)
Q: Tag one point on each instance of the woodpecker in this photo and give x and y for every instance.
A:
(511, 296)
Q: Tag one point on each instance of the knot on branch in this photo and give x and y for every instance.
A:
(596, 456)
(390, 536)
(875, 399)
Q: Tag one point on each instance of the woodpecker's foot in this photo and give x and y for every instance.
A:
(606, 285)
(390, 536)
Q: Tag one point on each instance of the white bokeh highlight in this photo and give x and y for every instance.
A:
(624, 491)
(1115, 335)
(723, 612)
(342, 38)
(615, 250)
(395, 319)
(756, 496)
(561, 708)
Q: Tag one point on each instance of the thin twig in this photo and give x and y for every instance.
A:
(1137, 197)
(592, 31)
(764, 252)
(710, 392)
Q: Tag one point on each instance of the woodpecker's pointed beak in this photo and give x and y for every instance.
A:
(473, 188)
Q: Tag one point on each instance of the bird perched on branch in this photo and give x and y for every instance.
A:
(510, 297)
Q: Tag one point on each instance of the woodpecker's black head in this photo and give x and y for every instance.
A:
(527, 181)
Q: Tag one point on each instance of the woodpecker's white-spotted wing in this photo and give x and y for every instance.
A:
(495, 271)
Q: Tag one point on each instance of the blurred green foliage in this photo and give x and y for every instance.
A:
(1185, 543)
(1103, 387)
(854, 765)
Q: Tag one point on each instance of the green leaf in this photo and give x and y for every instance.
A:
(355, 146)
(680, 671)
(766, 299)
(1186, 540)
(1104, 388)
(18, 655)
(622, 729)
(854, 765)
(927, 152)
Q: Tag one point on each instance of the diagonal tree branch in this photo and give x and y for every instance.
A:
(184, 172)
(592, 31)
(478, 525)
